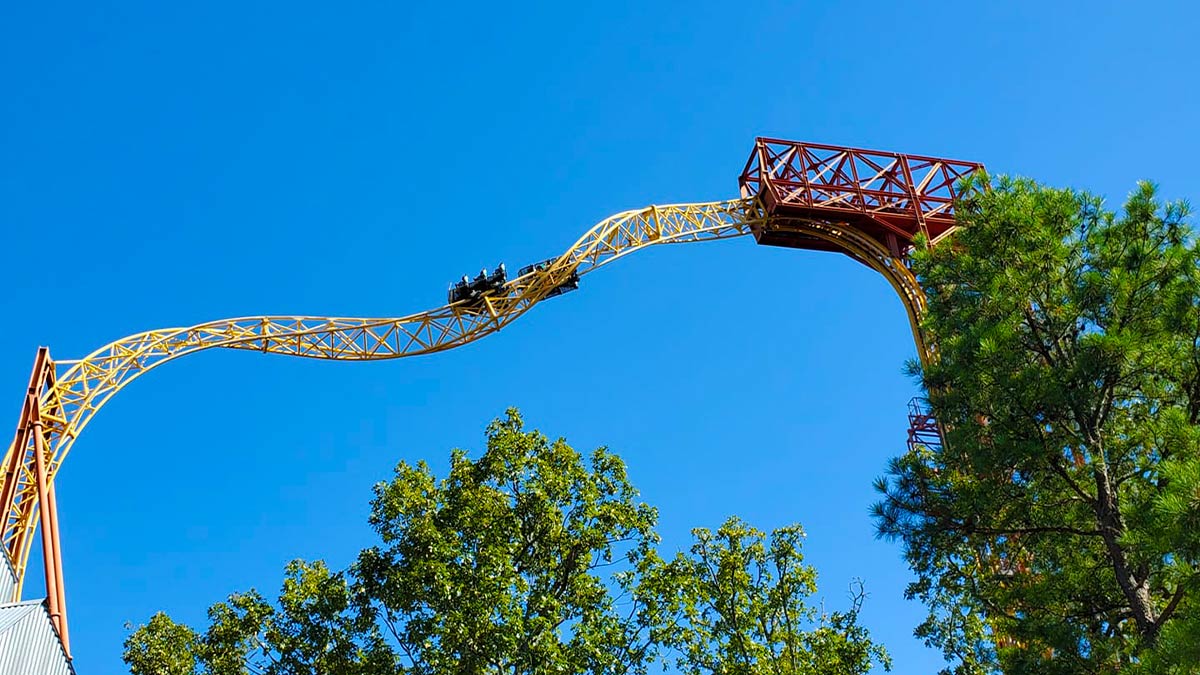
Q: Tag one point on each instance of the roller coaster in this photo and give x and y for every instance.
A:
(869, 205)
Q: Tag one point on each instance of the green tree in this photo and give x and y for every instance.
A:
(506, 565)
(531, 559)
(746, 609)
(1056, 531)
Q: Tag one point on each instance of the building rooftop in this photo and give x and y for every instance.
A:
(29, 644)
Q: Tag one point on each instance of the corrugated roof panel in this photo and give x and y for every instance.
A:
(28, 643)
(8, 581)
(12, 613)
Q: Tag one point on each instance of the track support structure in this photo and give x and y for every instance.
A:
(27, 477)
(870, 205)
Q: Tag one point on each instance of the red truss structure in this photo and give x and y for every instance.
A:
(889, 196)
(923, 429)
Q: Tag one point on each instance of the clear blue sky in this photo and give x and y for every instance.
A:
(162, 165)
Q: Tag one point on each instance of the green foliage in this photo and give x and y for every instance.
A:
(310, 631)
(506, 565)
(163, 647)
(745, 609)
(1056, 531)
(530, 560)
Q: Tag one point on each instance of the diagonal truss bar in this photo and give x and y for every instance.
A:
(893, 196)
(64, 396)
(76, 390)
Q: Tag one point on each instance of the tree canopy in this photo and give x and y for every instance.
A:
(531, 559)
(1056, 530)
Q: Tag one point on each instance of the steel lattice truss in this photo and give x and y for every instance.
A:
(891, 196)
(801, 195)
(73, 391)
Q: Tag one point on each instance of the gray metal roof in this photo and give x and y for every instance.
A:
(8, 581)
(29, 644)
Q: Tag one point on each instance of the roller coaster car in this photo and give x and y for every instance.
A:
(472, 291)
(571, 284)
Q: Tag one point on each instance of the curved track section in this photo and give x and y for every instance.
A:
(76, 390)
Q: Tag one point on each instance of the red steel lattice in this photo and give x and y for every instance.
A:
(890, 196)
(923, 429)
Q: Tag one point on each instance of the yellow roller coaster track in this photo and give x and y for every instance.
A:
(79, 388)
(65, 395)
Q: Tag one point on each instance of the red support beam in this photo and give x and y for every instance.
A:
(923, 429)
(891, 197)
(49, 554)
(30, 448)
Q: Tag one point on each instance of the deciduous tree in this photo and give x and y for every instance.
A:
(746, 609)
(530, 560)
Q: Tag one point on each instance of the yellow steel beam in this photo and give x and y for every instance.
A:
(79, 388)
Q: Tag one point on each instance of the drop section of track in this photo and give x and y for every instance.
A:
(867, 204)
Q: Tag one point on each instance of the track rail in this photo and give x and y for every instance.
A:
(73, 391)
(64, 396)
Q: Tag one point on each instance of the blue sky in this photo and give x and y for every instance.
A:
(162, 165)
